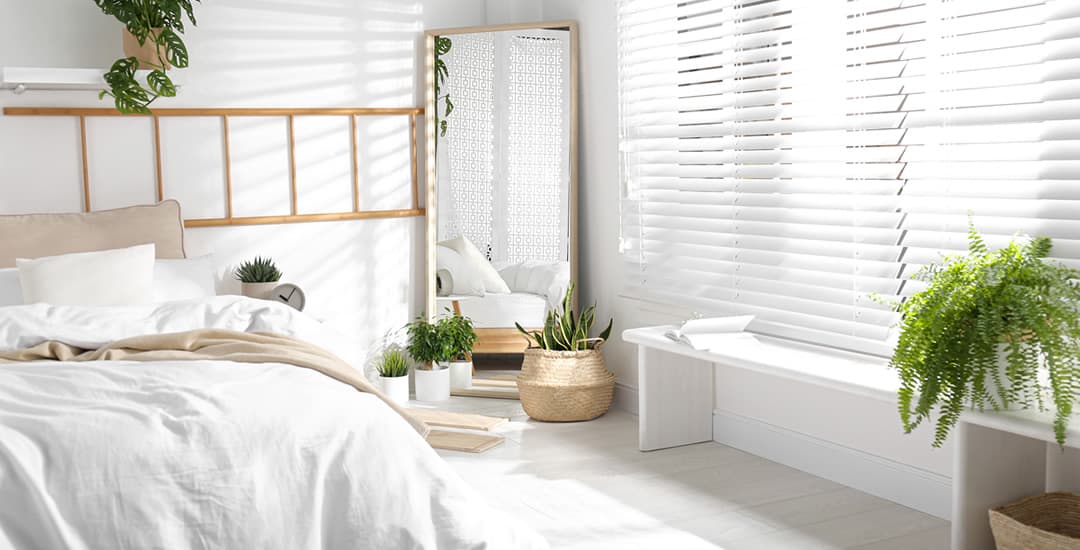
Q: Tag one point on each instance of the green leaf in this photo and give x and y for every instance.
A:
(606, 333)
(449, 106)
(442, 45)
(160, 83)
(175, 50)
(442, 128)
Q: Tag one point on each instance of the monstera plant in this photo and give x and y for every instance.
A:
(158, 24)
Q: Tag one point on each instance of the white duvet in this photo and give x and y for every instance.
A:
(200, 454)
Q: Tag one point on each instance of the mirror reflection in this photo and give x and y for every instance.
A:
(503, 178)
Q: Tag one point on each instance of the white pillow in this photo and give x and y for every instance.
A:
(482, 268)
(548, 279)
(124, 276)
(10, 289)
(455, 274)
(184, 279)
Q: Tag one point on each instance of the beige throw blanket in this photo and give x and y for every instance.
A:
(215, 345)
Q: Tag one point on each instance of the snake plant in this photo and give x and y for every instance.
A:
(566, 331)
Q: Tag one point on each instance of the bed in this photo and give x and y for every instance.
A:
(209, 422)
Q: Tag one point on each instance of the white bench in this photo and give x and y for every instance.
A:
(675, 398)
(999, 457)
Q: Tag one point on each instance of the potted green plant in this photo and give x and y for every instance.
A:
(258, 277)
(429, 347)
(152, 41)
(459, 333)
(992, 328)
(563, 376)
(393, 368)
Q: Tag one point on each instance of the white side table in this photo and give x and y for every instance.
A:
(1002, 457)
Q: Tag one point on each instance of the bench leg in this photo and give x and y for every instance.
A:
(675, 400)
(991, 468)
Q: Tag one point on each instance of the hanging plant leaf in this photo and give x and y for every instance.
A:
(441, 72)
(160, 83)
(442, 45)
(175, 50)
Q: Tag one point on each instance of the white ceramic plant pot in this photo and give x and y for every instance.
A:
(395, 387)
(1002, 390)
(461, 374)
(261, 291)
(433, 385)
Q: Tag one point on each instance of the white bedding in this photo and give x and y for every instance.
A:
(200, 454)
(502, 310)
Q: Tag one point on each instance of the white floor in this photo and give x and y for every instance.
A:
(585, 485)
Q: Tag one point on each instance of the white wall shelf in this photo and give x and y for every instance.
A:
(22, 79)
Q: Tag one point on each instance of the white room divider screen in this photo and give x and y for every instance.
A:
(788, 158)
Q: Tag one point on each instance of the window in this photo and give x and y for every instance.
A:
(789, 159)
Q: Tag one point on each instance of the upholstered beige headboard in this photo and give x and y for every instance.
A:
(38, 235)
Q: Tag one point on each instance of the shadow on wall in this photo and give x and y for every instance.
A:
(329, 53)
(359, 275)
(285, 53)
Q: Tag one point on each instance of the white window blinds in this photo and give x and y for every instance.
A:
(789, 158)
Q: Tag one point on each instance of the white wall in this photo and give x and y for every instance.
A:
(864, 425)
(364, 277)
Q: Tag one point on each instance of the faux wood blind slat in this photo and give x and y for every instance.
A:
(789, 158)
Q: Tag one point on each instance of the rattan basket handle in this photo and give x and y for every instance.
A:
(586, 340)
(600, 341)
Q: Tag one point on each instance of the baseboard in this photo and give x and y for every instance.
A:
(626, 398)
(916, 488)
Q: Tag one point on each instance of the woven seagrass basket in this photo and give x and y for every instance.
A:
(1044, 522)
(565, 386)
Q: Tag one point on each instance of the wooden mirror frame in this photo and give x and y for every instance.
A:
(495, 340)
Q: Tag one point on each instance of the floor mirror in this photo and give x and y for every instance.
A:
(501, 176)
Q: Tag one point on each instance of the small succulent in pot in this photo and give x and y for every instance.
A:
(258, 277)
(259, 270)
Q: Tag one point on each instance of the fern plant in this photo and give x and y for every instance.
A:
(162, 23)
(565, 331)
(981, 332)
(259, 270)
(393, 363)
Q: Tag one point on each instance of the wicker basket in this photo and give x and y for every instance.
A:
(565, 386)
(1044, 522)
